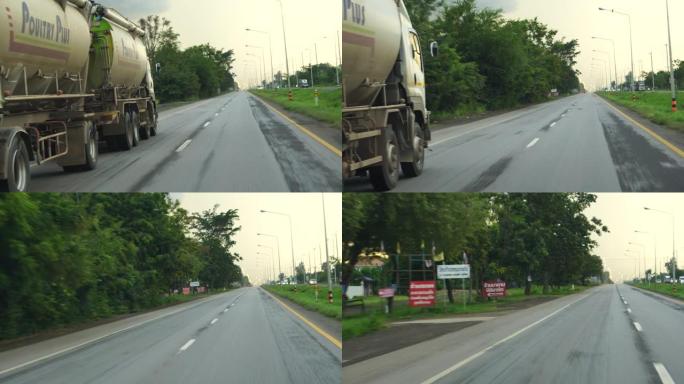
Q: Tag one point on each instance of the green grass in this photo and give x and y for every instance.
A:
(375, 319)
(329, 108)
(305, 296)
(665, 289)
(654, 106)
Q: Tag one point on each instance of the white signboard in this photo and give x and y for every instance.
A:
(194, 283)
(458, 271)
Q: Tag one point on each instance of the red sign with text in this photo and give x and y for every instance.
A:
(422, 294)
(494, 289)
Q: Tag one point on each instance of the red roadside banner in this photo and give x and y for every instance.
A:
(494, 289)
(422, 293)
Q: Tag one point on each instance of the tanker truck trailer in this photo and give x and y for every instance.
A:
(385, 120)
(64, 82)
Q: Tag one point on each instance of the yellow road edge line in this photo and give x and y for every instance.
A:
(324, 143)
(656, 136)
(323, 333)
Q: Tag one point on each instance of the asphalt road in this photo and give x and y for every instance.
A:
(587, 338)
(232, 143)
(574, 144)
(242, 337)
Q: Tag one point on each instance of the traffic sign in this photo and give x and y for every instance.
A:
(422, 294)
(194, 284)
(457, 271)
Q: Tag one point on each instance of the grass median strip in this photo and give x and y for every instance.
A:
(375, 319)
(305, 295)
(654, 106)
(328, 109)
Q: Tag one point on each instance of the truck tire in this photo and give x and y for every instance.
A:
(126, 140)
(415, 167)
(18, 167)
(386, 176)
(91, 152)
(135, 123)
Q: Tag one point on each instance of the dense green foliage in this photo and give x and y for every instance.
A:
(68, 258)
(488, 62)
(655, 106)
(200, 71)
(508, 236)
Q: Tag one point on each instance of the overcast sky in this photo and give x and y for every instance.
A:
(309, 24)
(623, 214)
(306, 210)
(581, 19)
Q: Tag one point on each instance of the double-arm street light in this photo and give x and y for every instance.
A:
(280, 271)
(289, 218)
(631, 45)
(674, 270)
(672, 77)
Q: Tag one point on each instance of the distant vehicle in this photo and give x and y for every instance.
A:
(658, 281)
(681, 279)
(313, 282)
(304, 83)
(668, 279)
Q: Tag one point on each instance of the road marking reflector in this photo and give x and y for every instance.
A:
(453, 368)
(214, 321)
(184, 145)
(656, 136)
(663, 373)
(533, 143)
(638, 326)
(187, 345)
(321, 332)
(312, 135)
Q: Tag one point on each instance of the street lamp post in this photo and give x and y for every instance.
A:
(612, 42)
(280, 271)
(263, 58)
(631, 44)
(672, 77)
(643, 256)
(638, 264)
(265, 254)
(655, 257)
(287, 58)
(270, 249)
(294, 270)
(325, 235)
(674, 270)
(257, 65)
(607, 56)
(270, 48)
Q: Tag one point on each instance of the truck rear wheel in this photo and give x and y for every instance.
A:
(135, 124)
(18, 167)
(126, 140)
(386, 176)
(415, 167)
(91, 152)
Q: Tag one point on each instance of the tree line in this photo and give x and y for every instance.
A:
(197, 72)
(486, 62)
(545, 239)
(662, 78)
(68, 258)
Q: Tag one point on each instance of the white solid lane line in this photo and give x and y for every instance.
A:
(183, 146)
(533, 143)
(638, 326)
(187, 345)
(214, 321)
(453, 368)
(663, 373)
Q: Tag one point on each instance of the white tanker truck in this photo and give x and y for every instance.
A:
(385, 118)
(71, 72)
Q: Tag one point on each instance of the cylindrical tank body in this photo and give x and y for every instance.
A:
(118, 57)
(40, 39)
(371, 42)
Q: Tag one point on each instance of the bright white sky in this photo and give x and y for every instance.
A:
(581, 19)
(624, 213)
(306, 210)
(309, 24)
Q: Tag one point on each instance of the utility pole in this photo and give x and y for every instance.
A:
(287, 58)
(652, 72)
(325, 235)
